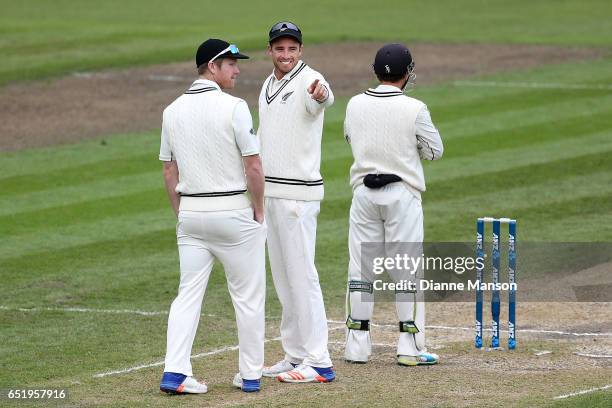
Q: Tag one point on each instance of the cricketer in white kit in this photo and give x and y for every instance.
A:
(211, 159)
(291, 107)
(389, 133)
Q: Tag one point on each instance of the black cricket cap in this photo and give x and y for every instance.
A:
(393, 59)
(212, 47)
(285, 29)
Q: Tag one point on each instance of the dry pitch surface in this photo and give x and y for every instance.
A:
(555, 357)
(563, 347)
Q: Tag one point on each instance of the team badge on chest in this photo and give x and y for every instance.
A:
(286, 96)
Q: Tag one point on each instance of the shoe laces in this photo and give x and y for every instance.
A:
(281, 364)
(301, 368)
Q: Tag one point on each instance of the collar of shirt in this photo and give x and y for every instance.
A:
(202, 83)
(387, 88)
(288, 74)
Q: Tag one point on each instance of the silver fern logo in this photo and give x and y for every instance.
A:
(286, 96)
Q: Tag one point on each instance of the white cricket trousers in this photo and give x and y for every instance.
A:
(238, 242)
(292, 233)
(390, 214)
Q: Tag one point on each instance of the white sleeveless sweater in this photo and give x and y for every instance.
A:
(198, 128)
(380, 127)
(290, 137)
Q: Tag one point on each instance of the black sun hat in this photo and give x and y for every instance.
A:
(213, 49)
(393, 59)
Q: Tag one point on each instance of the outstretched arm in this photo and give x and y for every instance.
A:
(320, 96)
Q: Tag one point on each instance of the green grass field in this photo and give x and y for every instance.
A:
(88, 225)
(49, 38)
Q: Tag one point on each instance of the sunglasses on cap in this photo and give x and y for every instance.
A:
(232, 48)
(283, 25)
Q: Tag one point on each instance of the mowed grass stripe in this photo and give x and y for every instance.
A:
(146, 280)
(43, 160)
(140, 271)
(71, 339)
(549, 191)
(74, 234)
(575, 227)
(83, 212)
(535, 203)
(589, 71)
(519, 176)
(72, 194)
(77, 175)
(81, 257)
(490, 105)
(564, 110)
(564, 119)
(449, 168)
(496, 199)
(534, 219)
(458, 223)
(482, 162)
(544, 138)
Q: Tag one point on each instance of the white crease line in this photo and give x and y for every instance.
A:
(573, 394)
(561, 333)
(542, 85)
(88, 310)
(200, 355)
(342, 343)
(394, 326)
(594, 355)
(83, 310)
(159, 363)
(156, 313)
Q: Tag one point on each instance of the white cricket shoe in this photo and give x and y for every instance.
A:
(281, 367)
(305, 373)
(176, 383)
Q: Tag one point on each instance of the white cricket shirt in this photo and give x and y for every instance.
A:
(389, 133)
(290, 131)
(207, 131)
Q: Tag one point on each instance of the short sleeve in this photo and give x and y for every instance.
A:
(242, 122)
(165, 150)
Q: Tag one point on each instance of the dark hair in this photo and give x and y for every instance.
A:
(204, 67)
(390, 77)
